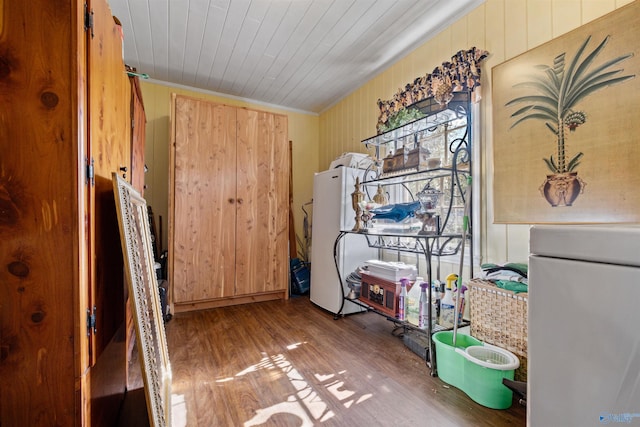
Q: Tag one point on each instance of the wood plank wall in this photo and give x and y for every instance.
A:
(505, 28)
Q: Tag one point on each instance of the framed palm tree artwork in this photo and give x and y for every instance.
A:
(566, 127)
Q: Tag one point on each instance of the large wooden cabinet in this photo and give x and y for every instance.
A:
(64, 128)
(229, 205)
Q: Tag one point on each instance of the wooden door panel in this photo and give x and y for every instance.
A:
(138, 132)
(41, 225)
(204, 197)
(110, 149)
(280, 213)
(138, 120)
(262, 220)
(252, 258)
(110, 141)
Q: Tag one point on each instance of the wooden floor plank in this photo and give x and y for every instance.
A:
(289, 363)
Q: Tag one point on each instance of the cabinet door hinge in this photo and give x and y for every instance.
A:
(88, 19)
(90, 173)
(91, 321)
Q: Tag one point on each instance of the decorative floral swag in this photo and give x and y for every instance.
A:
(462, 73)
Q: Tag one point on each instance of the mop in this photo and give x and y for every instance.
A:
(465, 227)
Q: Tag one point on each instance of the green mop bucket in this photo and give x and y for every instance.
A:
(476, 368)
(486, 366)
(449, 364)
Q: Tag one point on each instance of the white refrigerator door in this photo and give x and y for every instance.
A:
(332, 211)
(584, 344)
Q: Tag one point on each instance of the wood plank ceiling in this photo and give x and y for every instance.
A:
(298, 54)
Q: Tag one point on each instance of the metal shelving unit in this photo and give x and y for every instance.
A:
(445, 132)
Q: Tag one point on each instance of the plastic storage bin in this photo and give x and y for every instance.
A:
(451, 365)
(476, 368)
(499, 317)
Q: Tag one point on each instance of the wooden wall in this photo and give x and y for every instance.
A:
(505, 28)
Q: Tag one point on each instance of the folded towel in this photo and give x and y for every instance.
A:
(396, 212)
(519, 268)
(515, 287)
(506, 275)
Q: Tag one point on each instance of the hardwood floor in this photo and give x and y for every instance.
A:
(289, 363)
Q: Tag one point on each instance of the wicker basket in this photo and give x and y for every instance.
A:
(499, 317)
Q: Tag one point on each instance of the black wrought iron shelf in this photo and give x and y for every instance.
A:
(425, 244)
(435, 115)
(408, 326)
(444, 133)
(403, 323)
(406, 177)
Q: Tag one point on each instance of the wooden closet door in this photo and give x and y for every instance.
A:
(110, 151)
(204, 200)
(49, 225)
(138, 133)
(109, 127)
(263, 203)
(43, 345)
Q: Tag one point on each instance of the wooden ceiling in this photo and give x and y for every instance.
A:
(298, 54)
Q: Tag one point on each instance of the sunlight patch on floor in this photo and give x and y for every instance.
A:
(306, 403)
(178, 411)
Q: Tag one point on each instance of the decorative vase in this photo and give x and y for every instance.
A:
(562, 189)
(428, 199)
(380, 198)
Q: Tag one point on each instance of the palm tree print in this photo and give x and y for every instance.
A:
(559, 88)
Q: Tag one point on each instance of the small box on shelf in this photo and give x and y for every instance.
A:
(380, 294)
(417, 159)
(391, 271)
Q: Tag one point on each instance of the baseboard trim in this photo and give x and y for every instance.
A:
(180, 307)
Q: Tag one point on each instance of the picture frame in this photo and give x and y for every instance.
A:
(135, 236)
(565, 127)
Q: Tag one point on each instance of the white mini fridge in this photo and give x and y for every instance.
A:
(332, 212)
(584, 326)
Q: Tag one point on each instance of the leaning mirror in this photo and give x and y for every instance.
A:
(135, 237)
